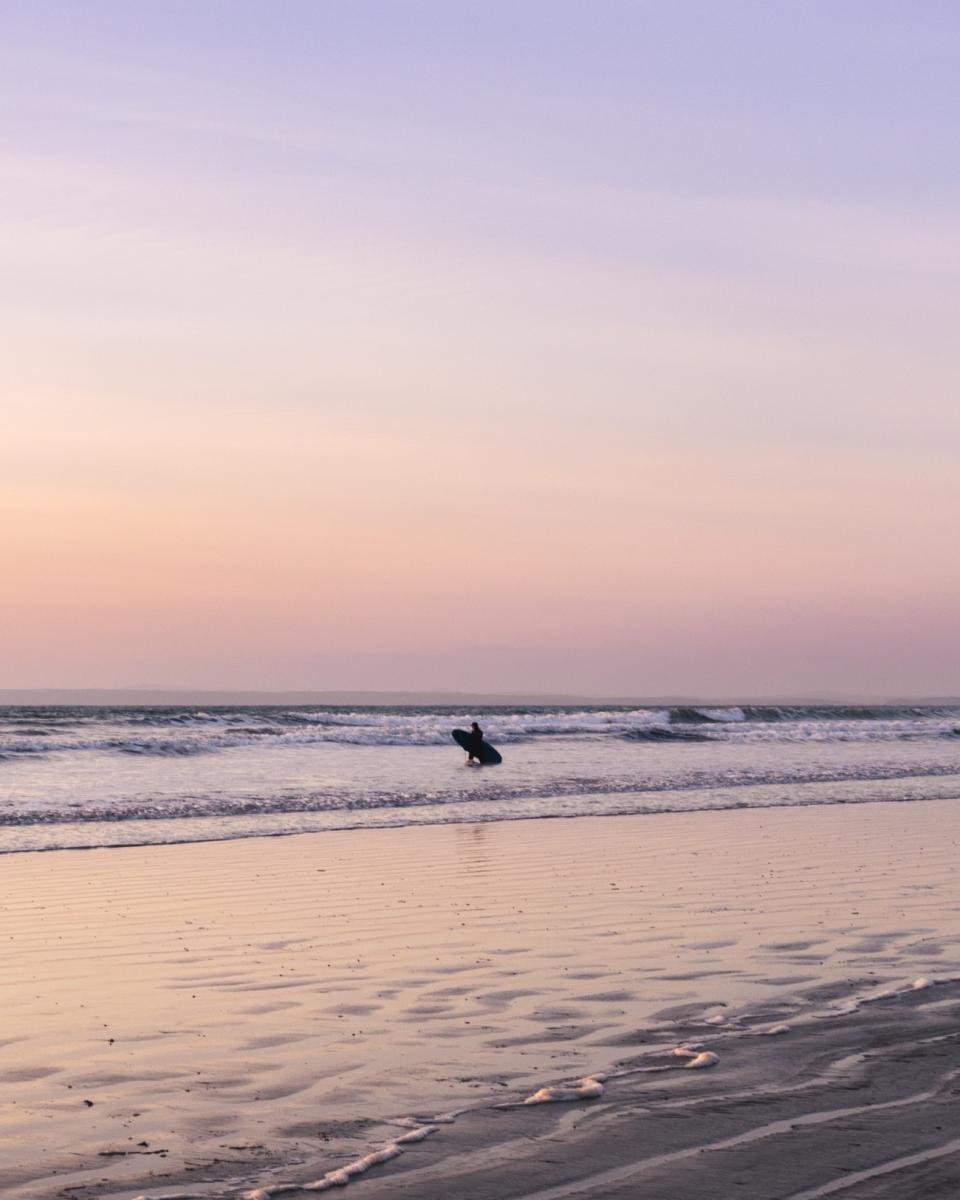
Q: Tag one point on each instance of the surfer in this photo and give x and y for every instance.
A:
(479, 752)
(476, 741)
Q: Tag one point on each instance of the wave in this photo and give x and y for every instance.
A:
(659, 733)
(178, 732)
(697, 716)
(72, 835)
(627, 793)
(846, 712)
(160, 746)
(195, 733)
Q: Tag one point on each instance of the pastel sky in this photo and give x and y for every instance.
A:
(533, 345)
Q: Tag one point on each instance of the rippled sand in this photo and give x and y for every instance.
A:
(214, 1019)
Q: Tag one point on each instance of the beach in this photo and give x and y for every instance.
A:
(247, 1017)
(479, 641)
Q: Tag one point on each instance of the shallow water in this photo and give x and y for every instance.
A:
(128, 776)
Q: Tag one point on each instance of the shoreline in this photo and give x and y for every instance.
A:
(254, 1010)
(459, 820)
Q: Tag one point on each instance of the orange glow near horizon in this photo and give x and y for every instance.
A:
(283, 554)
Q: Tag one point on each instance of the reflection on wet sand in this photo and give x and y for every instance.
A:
(236, 1011)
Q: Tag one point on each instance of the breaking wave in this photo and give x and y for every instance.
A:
(660, 733)
(172, 732)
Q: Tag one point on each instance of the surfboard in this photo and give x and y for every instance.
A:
(488, 756)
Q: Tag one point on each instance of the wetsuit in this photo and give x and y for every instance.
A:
(476, 741)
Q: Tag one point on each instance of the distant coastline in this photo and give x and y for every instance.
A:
(112, 697)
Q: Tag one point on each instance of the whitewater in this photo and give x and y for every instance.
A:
(87, 777)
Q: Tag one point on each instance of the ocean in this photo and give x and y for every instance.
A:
(112, 776)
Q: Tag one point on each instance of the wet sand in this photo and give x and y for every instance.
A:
(867, 1105)
(214, 1019)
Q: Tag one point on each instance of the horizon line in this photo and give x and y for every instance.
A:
(174, 696)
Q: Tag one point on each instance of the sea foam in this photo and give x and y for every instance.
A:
(588, 1088)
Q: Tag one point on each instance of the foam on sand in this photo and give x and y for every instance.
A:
(341, 1176)
(852, 1003)
(588, 1088)
(706, 1058)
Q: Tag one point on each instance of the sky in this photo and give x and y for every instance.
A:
(502, 346)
